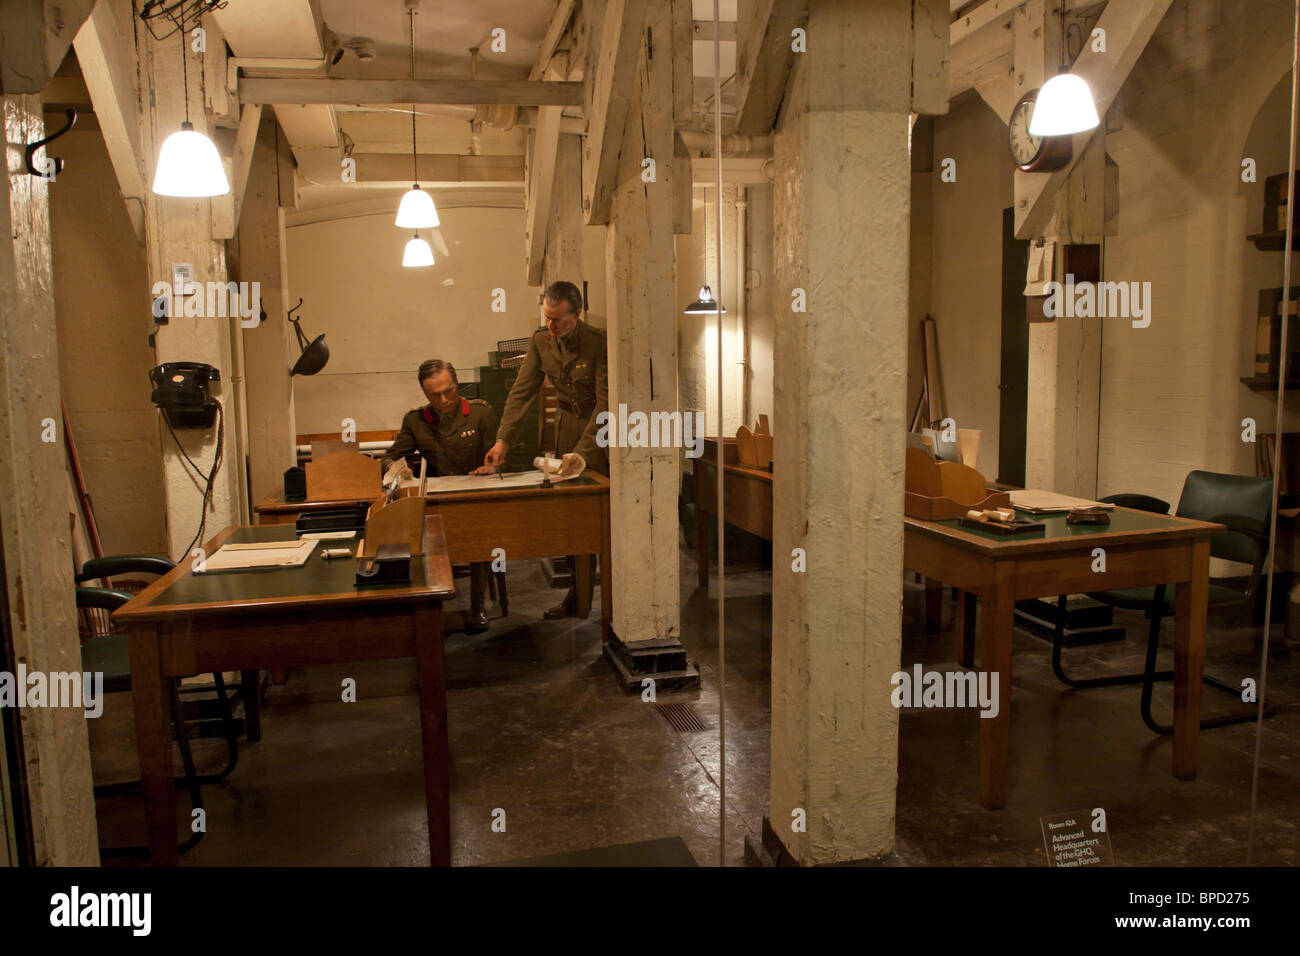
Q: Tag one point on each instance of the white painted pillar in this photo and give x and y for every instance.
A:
(180, 231)
(36, 539)
(642, 336)
(270, 349)
(842, 206)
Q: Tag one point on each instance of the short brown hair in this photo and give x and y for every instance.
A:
(435, 366)
(562, 291)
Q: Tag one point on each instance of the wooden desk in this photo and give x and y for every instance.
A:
(185, 624)
(1141, 549)
(748, 502)
(571, 517)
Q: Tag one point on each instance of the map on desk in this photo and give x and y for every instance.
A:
(452, 483)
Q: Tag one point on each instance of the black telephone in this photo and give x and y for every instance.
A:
(180, 389)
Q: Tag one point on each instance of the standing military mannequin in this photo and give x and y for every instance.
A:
(452, 434)
(571, 354)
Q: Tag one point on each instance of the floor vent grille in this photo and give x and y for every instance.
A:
(682, 717)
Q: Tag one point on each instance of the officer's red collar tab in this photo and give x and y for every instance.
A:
(464, 407)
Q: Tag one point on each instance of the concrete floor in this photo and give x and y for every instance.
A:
(542, 737)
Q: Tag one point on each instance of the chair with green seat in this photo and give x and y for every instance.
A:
(1243, 505)
(110, 655)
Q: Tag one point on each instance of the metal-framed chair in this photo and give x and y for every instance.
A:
(1244, 506)
(109, 654)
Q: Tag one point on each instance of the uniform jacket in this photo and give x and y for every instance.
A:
(580, 374)
(453, 444)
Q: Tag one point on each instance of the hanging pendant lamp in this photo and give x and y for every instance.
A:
(189, 165)
(418, 253)
(1064, 104)
(705, 304)
(416, 210)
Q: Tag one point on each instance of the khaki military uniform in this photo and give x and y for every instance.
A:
(452, 444)
(577, 367)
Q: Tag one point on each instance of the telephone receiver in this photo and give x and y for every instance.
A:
(180, 389)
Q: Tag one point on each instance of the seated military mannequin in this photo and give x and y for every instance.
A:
(453, 435)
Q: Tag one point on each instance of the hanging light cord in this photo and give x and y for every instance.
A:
(415, 157)
(185, 78)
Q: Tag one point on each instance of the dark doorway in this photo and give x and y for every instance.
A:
(1013, 386)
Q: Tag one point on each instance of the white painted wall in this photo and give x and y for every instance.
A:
(1170, 397)
(103, 314)
(966, 267)
(381, 320)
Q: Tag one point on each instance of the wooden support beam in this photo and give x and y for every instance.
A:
(245, 141)
(559, 21)
(929, 57)
(1128, 27)
(35, 35)
(683, 108)
(393, 169)
(611, 83)
(324, 90)
(106, 51)
(541, 176)
(763, 60)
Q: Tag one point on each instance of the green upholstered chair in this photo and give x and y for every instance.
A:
(1244, 506)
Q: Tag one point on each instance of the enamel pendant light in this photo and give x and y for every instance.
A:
(416, 210)
(417, 254)
(705, 304)
(1064, 104)
(188, 163)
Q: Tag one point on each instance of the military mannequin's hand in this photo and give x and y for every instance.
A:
(496, 455)
(485, 469)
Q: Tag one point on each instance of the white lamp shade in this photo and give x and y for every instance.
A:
(189, 166)
(417, 254)
(417, 210)
(1064, 105)
(704, 305)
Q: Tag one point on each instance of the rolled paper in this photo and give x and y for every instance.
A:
(975, 515)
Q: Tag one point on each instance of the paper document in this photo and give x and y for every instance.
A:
(1045, 502)
(327, 535)
(253, 555)
(448, 483)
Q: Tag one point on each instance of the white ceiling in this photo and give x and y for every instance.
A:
(444, 32)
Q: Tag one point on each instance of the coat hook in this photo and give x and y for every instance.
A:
(58, 162)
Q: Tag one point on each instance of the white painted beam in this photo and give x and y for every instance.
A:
(612, 85)
(106, 51)
(541, 176)
(559, 22)
(321, 90)
(763, 60)
(1129, 27)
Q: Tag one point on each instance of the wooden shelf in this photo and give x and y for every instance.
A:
(1274, 241)
(1262, 383)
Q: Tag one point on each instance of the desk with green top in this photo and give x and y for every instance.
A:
(1141, 549)
(185, 624)
(570, 517)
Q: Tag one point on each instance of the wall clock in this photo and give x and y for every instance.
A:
(1035, 154)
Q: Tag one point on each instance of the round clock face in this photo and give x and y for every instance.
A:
(1025, 147)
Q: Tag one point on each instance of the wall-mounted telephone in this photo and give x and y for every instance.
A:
(180, 389)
